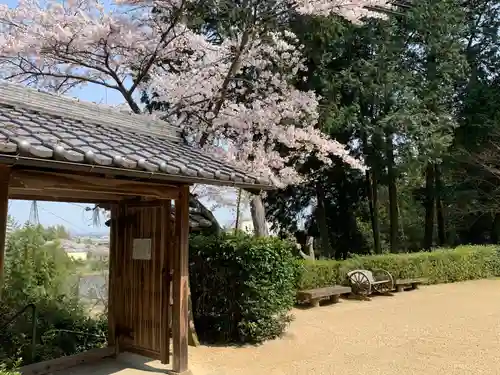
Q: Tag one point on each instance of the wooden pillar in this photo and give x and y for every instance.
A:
(180, 317)
(166, 241)
(4, 207)
(113, 250)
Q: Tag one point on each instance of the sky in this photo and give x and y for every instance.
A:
(72, 215)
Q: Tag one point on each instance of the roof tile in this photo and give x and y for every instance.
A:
(45, 126)
(7, 147)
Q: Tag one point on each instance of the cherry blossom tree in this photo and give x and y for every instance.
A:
(237, 92)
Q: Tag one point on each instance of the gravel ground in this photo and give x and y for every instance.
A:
(449, 329)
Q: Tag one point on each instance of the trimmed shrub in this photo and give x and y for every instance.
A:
(317, 274)
(439, 266)
(242, 287)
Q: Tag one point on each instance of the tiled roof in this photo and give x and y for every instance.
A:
(46, 127)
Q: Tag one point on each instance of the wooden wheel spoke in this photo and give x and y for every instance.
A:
(382, 288)
(360, 283)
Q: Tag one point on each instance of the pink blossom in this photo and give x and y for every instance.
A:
(59, 45)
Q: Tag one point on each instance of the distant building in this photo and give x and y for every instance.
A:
(84, 249)
(78, 255)
(104, 240)
(75, 250)
(99, 252)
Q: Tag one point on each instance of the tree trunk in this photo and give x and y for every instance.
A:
(495, 230)
(238, 210)
(324, 236)
(393, 194)
(310, 247)
(372, 193)
(372, 190)
(258, 216)
(429, 204)
(347, 224)
(439, 206)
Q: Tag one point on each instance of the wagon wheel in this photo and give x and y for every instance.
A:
(386, 287)
(360, 284)
(383, 288)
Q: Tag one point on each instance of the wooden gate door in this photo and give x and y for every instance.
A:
(141, 279)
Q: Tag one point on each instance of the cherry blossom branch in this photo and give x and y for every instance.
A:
(239, 89)
(153, 58)
(233, 69)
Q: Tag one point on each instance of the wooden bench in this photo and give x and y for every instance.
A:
(402, 284)
(313, 296)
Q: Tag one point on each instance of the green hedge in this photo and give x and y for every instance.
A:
(439, 266)
(242, 287)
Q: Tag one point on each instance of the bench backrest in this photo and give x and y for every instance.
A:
(368, 274)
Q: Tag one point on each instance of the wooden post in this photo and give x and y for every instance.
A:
(117, 277)
(180, 314)
(166, 241)
(4, 207)
(113, 250)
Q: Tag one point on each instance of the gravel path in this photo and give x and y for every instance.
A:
(449, 329)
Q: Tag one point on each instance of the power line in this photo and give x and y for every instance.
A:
(76, 204)
(61, 218)
(86, 208)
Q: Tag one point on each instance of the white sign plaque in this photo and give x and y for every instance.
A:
(141, 249)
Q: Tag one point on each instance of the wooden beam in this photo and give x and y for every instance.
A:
(180, 314)
(58, 183)
(61, 196)
(166, 241)
(4, 208)
(143, 204)
(48, 367)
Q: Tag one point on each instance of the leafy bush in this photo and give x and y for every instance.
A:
(62, 328)
(5, 371)
(439, 266)
(242, 287)
(42, 274)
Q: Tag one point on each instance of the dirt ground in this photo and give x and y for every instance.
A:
(449, 329)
